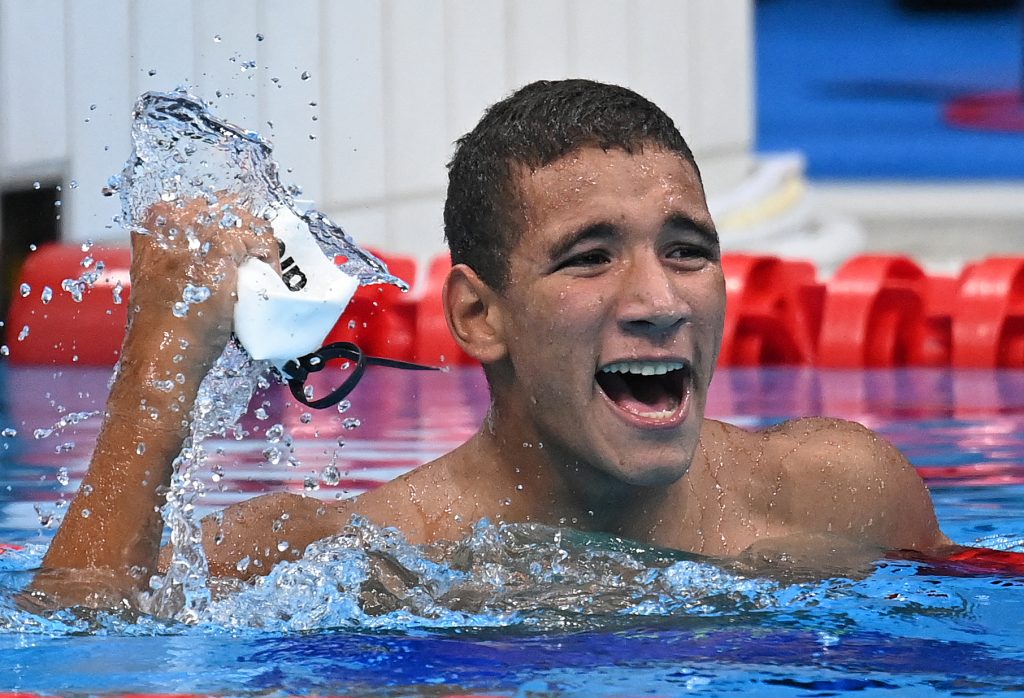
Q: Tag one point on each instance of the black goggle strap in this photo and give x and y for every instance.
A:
(297, 371)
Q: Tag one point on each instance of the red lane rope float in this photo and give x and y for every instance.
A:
(990, 111)
(434, 342)
(773, 311)
(988, 324)
(969, 562)
(972, 475)
(84, 326)
(381, 318)
(876, 311)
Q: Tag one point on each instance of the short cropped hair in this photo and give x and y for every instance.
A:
(536, 125)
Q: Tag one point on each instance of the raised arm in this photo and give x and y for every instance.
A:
(107, 546)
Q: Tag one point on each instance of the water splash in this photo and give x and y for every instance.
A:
(67, 420)
(527, 578)
(180, 151)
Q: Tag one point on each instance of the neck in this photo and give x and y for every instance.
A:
(532, 480)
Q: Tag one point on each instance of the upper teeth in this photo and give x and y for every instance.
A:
(643, 368)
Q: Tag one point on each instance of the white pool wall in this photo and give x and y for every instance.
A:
(394, 83)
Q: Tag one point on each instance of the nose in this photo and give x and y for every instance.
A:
(652, 301)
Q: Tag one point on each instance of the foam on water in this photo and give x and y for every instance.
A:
(525, 577)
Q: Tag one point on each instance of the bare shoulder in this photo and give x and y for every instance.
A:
(842, 478)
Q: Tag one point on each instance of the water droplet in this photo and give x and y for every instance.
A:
(306, 417)
(243, 564)
(23, 334)
(310, 484)
(86, 513)
(62, 476)
(350, 423)
(259, 37)
(5, 350)
(45, 517)
(65, 447)
(36, 185)
(261, 414)
(164, 386)
(272, 455)
(74, 184)
(151, 72)
(344, 406)
(47, 295)
(140, 448)
(116, 293)
(216, 40)
(230, 220)
(274, 433)
(305, 75)
(330, 475)
(179, 309)
(195, 294)
(282, 546)
(9, 432)
(24, 290)
(86, 490)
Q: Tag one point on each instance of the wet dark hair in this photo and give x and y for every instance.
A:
(533, 127)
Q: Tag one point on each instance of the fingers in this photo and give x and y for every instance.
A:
(222, 228)
(263, 246)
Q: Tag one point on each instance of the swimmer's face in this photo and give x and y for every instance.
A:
(617, 275)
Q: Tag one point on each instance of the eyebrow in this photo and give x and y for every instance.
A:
(686, 223)
(595, 231)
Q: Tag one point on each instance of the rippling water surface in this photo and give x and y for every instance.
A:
(519, 609)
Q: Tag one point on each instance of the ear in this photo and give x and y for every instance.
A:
(474, 313)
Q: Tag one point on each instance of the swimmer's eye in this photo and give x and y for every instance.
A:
(588, 259)
(692, 255)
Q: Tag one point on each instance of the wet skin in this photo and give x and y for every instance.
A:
(617, 271)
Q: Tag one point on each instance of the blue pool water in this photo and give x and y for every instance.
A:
(650, 622)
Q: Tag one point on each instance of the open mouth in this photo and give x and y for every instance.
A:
(654, 391)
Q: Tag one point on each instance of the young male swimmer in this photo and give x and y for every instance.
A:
(587, 281)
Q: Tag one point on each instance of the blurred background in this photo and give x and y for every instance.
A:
(823, 128)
